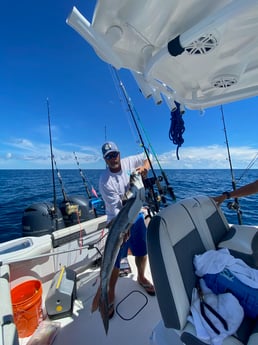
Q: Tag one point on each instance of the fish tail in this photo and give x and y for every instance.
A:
(103, 308)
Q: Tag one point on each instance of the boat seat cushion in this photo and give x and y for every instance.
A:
(242, 241)
(174, 236)
(170, 246)
(208, 219)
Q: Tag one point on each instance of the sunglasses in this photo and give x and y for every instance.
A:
(112, 155)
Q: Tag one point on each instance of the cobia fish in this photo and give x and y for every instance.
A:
(116, 234)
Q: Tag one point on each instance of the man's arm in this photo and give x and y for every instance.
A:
(143, 169)
(248, 189)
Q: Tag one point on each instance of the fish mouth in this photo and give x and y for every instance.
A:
(135, 175)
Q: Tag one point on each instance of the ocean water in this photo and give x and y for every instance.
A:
(21, 188)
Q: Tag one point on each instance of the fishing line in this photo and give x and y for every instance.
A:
(235, 206)
(121, 97)
(249, 166)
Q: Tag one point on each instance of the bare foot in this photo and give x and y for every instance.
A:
(148, 286)
(96, 300)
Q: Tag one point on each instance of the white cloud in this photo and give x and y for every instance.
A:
(22, 153)
(208, 157)
(21, 143)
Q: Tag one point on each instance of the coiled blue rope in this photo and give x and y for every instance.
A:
(177, 128)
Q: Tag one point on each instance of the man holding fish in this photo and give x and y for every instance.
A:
(122, 190)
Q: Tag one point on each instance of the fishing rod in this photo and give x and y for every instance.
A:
(169, 187)
(54, 213)
(82, 176)
(234, 205)
(69, 208)
(51, 152)
(53, 161)
(66, 199)
(148, 182)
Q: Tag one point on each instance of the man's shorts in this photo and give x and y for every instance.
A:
(137, 241)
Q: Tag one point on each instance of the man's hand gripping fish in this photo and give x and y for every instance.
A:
(116, 234)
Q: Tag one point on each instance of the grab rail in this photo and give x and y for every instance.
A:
(8, 331)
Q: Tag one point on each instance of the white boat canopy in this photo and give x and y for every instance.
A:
(200, 53)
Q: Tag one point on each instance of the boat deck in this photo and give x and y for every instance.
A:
(136, 314)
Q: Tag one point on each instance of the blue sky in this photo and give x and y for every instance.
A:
(42, 57)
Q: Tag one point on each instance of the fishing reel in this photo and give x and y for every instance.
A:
(155, 196)
(149, 182)
(233, 205)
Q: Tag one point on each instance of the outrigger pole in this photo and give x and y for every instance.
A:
(233, 181)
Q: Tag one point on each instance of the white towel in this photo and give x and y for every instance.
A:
(226, 305)
(214, 261)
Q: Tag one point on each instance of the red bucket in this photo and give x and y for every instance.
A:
(27, 310)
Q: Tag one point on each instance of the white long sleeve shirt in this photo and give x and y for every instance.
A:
(113, 186)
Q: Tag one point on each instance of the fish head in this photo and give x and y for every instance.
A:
(137, 186)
